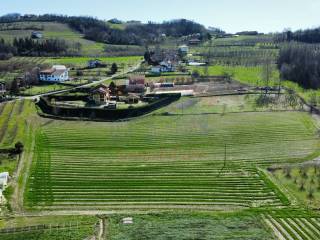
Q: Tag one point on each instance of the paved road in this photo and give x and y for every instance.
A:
(85, 85)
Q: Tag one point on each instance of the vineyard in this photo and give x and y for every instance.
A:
(238, 51)
(13, 122)
(192, 160)
(303, 227)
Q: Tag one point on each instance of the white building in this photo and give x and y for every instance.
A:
(184, 49)
(4, 178)
(58, 73)
(163, 67)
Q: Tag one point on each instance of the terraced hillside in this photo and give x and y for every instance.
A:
(167, 161)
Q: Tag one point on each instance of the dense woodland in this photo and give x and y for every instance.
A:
(300, 63)
(306, 36)
(30, 47)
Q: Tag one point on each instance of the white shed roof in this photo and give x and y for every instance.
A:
(4, 175)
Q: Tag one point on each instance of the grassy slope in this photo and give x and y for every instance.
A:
(55, 30)
(13, 121)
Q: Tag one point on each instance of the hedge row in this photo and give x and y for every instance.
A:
(104, 114)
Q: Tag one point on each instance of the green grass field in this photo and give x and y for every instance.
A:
(53, 30)
(189, 226)
(46, 228)
(167, 161)
(14, 122)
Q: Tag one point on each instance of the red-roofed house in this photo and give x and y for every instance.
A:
(100, 94)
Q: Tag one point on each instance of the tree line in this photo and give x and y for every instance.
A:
(132, 34)
(30, 47)
(300, 63)
(306, 36)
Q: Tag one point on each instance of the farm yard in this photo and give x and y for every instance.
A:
(18, 66)
(177, 160)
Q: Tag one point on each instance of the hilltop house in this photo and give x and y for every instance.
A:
(58, 73)
(100, 95)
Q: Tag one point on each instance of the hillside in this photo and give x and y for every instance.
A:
(53, 30)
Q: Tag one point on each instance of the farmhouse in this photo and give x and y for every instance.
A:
(136, 84)
(165, 66)
(100, 95)
(58, 73)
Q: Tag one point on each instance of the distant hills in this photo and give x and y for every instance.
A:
(118, 32)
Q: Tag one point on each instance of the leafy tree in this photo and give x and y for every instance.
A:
(114, 68)
(14, 87)
(18, 148)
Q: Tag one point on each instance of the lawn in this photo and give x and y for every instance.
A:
(189, 226)
(82, 61)
(247, 75)
(167, 161)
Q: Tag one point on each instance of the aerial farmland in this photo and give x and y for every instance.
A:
(126, 130)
